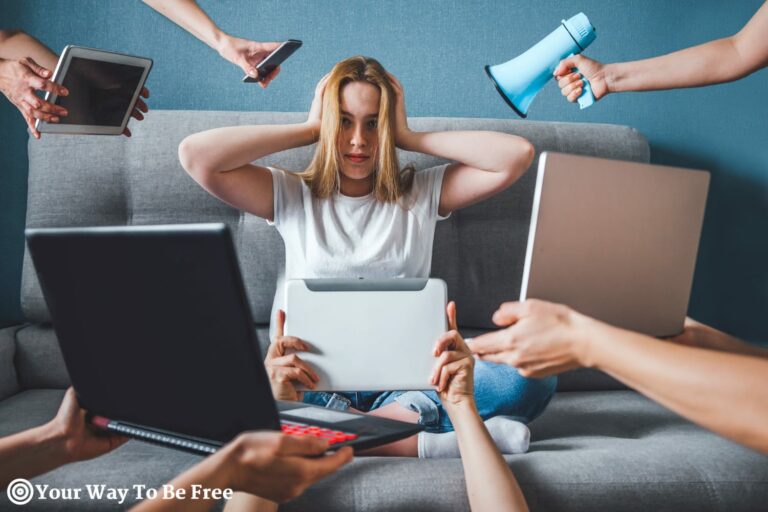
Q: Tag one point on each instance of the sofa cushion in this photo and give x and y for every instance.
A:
(610, 450)
(8, 381)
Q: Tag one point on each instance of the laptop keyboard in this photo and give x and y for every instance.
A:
(293, 428)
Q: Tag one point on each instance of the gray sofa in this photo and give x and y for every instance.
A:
(598, 446)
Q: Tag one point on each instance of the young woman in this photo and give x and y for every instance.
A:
(355, 213)
(491, 485)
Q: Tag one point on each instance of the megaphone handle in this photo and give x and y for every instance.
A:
(587, 98)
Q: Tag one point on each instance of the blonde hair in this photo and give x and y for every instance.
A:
(322, 175)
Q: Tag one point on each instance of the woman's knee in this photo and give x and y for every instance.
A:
(501, 390)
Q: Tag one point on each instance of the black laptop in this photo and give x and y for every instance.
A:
(157, 335)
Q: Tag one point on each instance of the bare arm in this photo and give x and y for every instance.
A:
(718, 61)
(696, 334)
(268, 464)
(219, 159)
(243, 502)
(31, 453)
(721, 391)
(722, 60)
(488, 162)
(16, 45)
(189, 16)
(64, 439)
(490, 482)
(240, 52)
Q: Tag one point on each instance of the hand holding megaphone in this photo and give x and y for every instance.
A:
(519, 80)
(570, 75)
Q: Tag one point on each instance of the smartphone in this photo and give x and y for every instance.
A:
(274, 59)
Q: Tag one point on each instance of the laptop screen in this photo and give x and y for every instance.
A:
(155, 328)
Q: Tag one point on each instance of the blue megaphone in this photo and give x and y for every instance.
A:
(519, 80)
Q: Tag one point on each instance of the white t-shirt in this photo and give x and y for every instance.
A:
(344, 236)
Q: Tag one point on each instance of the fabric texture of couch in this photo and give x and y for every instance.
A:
(598, 446)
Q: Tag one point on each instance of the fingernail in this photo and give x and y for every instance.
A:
(55, 119)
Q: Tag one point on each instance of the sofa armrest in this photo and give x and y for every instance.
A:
(9, 382)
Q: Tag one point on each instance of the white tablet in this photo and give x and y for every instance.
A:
(103, 89)
(365, 334)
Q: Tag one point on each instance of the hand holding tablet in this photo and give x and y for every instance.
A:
(104, 89)
(19, 79)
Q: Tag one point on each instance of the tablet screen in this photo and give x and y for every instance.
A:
(99, 92)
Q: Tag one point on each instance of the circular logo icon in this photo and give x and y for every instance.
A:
(20, 491)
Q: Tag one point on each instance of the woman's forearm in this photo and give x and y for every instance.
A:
(720, 391)
(224, 149)
(490, 482)
(487, 151)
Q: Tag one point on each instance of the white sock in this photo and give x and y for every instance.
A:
(510, 437)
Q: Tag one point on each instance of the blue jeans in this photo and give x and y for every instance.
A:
(499, 391)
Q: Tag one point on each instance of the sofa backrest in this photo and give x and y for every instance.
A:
(478, 251)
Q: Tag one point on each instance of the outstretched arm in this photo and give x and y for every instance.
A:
(64, 439)
(490, 482)
(240, 52)
(271, 465)
(16, 45)
(722, 60)
(26, 65)
(487, 162)
(721, 391)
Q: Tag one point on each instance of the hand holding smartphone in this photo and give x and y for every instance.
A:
(273, 60)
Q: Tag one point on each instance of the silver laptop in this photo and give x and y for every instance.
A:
(615, 240)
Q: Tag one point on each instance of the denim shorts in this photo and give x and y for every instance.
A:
(499, 391)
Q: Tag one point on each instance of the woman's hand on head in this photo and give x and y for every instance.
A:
(401, 119)
(285, 368)
(453, 376)
(316, 109)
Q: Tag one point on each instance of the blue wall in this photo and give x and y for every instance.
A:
(437, 49)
